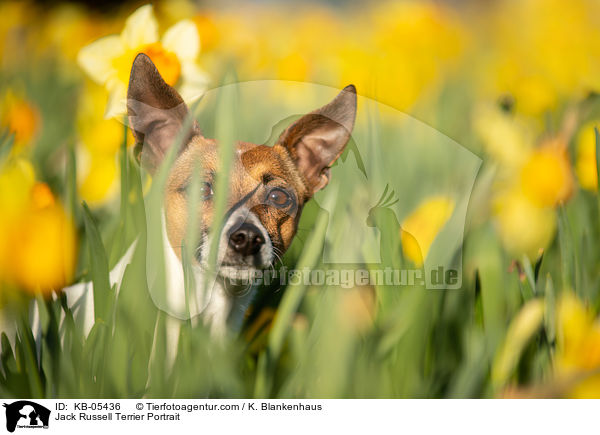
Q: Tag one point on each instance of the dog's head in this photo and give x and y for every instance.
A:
(268, 186)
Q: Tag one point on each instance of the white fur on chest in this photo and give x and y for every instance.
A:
(220, 309)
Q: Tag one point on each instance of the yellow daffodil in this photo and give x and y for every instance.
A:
(108, 60)
(208, 30)
(530, 181)
(402, 72)
(524, 227)
(37, 238)
(20, 117)
(578, 348)
(505, 137)
(335, 47)
(43, 251)
(17, 178)
(522, 328)
(68, 27)
(546, 177)
(421, 227)
(543, 60)
(585, 166)
(100, 182)
(100, 141)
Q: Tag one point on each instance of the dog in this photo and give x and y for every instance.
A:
(269, 185)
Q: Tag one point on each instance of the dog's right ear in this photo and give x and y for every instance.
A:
(156, 113)
(316, 140)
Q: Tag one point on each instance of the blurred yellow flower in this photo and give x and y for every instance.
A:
(542, 51)
(41, 196)
(37, 238)
(546, 177)
(100, 181)
(524, 227)
(578, 347)
(20, 117)
(208, 30)
(67, 27)
(108, 60)
(585, 165)
(43, 249)
(521, 330)
(411, 47)
(421, 227)
(100, 141)
(530, 181)
(401, 56)
(98, 135)
(505, 137)
(17, 178)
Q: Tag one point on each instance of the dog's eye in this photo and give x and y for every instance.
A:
(279, 198)
(206, 190)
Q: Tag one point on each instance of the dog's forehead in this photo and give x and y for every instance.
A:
(251, 163)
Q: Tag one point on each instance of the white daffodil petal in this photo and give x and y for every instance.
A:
(140, 29)
(183, 40)
(117, 101)
(192, 90)
(193, 74)
(96, 58)
(194, 82)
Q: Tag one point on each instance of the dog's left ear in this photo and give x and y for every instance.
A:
(317, 139)
(157, 113)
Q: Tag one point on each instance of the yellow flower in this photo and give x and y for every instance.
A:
(578, 347)
(546, 177)
(98, 135)
(17, 178)
(542, 51)
(507, 138)
(585, 166)
(100, 141)
(43, 255)
(335, 47)
(404, 72)
(100, 181)
(41, 196)
(20, 117)
(524, 227)
(67, 27)
(208, 30)
(37, 238)
(108, 60)
(521, 330)
(530, 180)
(421, 227)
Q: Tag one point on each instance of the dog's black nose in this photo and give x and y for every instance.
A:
(246, 240)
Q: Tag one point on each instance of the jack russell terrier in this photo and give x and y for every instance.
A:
(268, 188)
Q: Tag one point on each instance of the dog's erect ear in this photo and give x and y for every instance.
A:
(317, 139)
(156, 113)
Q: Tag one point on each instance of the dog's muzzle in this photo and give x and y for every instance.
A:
(244, 244)
(246, 240)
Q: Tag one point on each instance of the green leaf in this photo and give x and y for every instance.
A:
(597, 136)
(6, 144)
(30, 360)
(567, 253)
(98, 266)
(290, 303)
